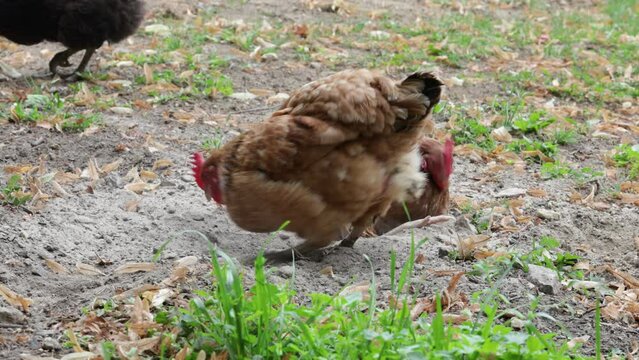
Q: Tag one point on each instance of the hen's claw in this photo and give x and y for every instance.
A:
(61, 59)
(427, 221)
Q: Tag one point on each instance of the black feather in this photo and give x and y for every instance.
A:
(77, 24)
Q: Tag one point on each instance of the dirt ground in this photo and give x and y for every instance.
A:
(102, 224)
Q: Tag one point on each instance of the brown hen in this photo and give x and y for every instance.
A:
(337, 154)
(437, 164)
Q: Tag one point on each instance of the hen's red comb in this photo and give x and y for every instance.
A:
(449, 146)
(197, 160)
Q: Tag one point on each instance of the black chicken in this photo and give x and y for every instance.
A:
(77, 24)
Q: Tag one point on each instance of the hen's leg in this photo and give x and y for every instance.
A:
(61, 59)
(427, 221)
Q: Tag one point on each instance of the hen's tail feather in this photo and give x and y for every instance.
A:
(421, 92)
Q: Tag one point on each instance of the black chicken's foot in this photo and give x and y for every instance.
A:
(427, 221)
(61, 59)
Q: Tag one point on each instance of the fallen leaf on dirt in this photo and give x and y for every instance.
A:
(261, 92)
(361, 289)
(467, 246)
(17, 169)
(33, 357)
(501, 134)
(140, 187)
(147, 175)
(148, 74)
(15, 299)
(420, 258)
(186, 261)
(73, 340)
(134, 267)
(178, 275)
(628, 279)
(578, 340)
(58, 189)
(540, 193)
(160, 297)
(455, 319)
(111, 166)
(142, 345)
(327, 271)
(162, 164)
(56, 267)
(91, 172)
(135, 292)
(88, 269)
(84, 355)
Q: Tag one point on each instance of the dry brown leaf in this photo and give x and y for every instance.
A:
(629, 280)
(629, 198)
(148, 74)
(55, 267)
(17, 169)
(540, 193)
(181, 355)
(111, 166)
(178, 275)
(467, 246)
(82, 355)
(361, 288)
(186, 261)
(147, 175)
(142, 345)
(455, 319)
(88, 269)
(135, 292)
(134, 267)
(420, 258)
(327, 271)
(261, 92)
(501, 134)
(630, 186)
(15, 299)
(91, 172)
(58, 189)
(162, 164)
(161, 296)
(140, 187)
(578, 340)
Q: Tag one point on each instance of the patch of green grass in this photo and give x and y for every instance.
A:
(214, 142)
(80, 122)
(12, 193)
(525, 144)
(534, 123)
(267, 322)
(558, 169)
(564, 136)
(38, 107)
(546, 253)
(627, 156)
(471, 131)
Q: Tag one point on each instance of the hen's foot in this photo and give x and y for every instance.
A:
(61, 59)
(427, 221)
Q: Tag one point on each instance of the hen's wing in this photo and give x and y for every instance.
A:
(366, 101)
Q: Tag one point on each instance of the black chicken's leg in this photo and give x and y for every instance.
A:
(61, 59)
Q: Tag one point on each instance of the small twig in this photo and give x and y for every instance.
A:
(253, 110)
(427, 221)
